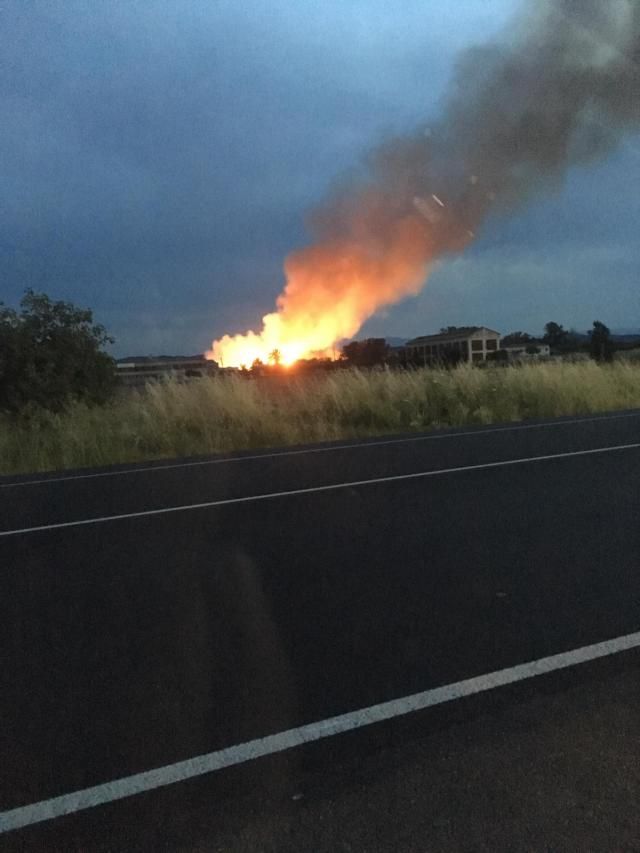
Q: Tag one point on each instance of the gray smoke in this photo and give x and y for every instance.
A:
(559, 91)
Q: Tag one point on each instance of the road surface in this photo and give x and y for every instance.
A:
(170, 617)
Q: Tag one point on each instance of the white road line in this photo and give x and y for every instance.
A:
(196, 463)
(243, 752)
(310, 490)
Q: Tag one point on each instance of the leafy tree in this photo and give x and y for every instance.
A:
(501, 356)
(275, 357)
(51, 353)
(366, 353)
(600, 345)
(555, 335)
(514, 339)
(452, 330)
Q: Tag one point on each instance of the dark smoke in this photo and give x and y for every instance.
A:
(560, 91)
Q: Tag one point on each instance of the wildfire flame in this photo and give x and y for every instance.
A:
(332, 288)
(560, 93)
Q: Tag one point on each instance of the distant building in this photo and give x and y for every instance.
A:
(526, 350)
(137, 371)
(469, 344)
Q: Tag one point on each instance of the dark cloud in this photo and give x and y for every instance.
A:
(158, 157)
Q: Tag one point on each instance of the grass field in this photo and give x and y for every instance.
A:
(232, 413)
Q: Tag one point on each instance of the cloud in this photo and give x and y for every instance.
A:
(158, 158)
(516, 287)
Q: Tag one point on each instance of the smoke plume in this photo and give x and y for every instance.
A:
(558, 91)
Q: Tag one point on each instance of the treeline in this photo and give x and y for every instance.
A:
(598, 342)
(52, 354)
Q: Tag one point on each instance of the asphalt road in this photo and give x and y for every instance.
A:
(153, 614)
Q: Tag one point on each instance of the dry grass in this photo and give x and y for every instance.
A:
(217, 415)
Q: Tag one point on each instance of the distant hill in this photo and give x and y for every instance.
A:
(621, 336)
(626, 336)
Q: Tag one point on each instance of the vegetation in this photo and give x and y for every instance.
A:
(631, 354)
(516, 339)
(50, 354)
(367, 353)
(232, 413)
(556, 336)
(600, 345)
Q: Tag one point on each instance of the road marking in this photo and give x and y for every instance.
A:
(141, 469)
(311, 489)
(271, 744)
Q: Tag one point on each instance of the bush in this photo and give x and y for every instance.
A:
(51, 353)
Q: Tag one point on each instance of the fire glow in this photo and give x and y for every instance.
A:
(519, 116)
(335, 285)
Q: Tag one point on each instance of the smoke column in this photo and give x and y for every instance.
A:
(560, 90)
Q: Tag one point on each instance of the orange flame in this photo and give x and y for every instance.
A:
(502, 137)
(332, 288)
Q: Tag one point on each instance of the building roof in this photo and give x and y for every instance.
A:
(165, 363)
(461, 332)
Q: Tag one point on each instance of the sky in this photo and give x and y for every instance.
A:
(158, 160)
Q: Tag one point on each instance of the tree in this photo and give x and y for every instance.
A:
(452, 330)
(514, 339)
(52, 353)
(601, 345)
(500, 356)
(366, 353)
(275, 357)
(555, 335)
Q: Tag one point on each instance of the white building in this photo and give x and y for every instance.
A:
(527, 350)
(140, 370)
(465, 344)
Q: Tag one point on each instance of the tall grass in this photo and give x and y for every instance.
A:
(232, 413)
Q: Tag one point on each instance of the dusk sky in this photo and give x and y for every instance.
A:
(158, 160)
